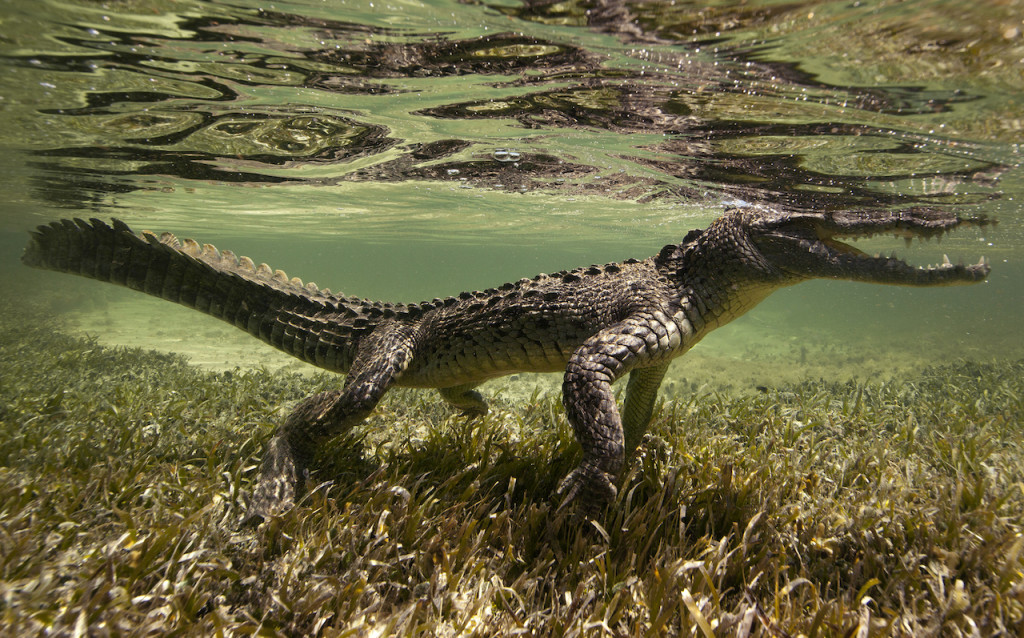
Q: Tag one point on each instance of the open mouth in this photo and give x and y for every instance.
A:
(853, 256)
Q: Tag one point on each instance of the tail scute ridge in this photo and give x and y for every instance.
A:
(149, 262)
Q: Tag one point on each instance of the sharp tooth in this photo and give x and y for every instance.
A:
(983, 261)
(946, 261)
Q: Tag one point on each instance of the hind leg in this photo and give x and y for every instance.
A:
(291, 452)
(321, 417)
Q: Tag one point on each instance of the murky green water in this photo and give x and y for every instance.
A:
(404, 150)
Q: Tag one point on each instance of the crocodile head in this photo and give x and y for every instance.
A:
(801, 246)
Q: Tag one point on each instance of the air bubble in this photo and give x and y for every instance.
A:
(506, 155)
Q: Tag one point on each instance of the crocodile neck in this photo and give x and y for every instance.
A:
(711, 291)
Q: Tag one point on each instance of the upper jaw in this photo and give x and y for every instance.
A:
(923, 223)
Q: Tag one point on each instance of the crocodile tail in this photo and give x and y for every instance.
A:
(298, 319)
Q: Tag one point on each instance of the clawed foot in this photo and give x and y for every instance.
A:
(470, 413)
(278, 486)
(589, 488)
(288, 456)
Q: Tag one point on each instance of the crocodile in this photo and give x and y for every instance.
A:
(594, 324)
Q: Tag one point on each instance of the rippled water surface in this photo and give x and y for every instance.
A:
(405, 150)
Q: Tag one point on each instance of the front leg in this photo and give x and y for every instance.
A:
(590, 405)
(465, 398)
(637, 408)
